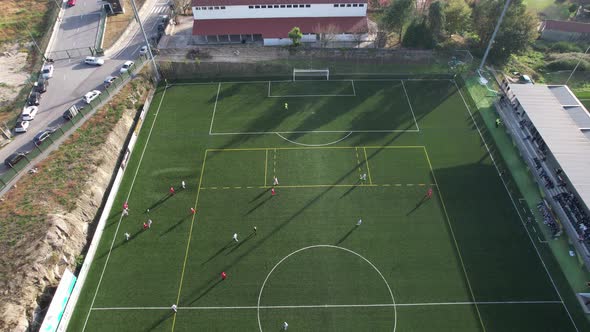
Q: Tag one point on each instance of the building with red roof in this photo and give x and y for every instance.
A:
(269, 21)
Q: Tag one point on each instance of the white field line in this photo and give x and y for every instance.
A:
(268, 89)
(353, 89)
(283, 81)
(325, 144)
(121, 216)
(318, 132)
(253, 307)
(410, 104)
(305, 96)
(516, 208)
(214, 108)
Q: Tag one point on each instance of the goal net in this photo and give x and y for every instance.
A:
(311, 74)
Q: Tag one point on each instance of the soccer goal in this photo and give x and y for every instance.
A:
(311, 74)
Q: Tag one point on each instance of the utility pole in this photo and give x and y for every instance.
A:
(155, 67)
(577, 64)
(485, 56)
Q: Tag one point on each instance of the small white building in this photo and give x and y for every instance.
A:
(269, 21)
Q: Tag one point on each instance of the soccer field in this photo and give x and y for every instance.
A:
(460, 260)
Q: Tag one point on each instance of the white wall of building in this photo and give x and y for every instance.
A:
(314, 10)
(311, 38)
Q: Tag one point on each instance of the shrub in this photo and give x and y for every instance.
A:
(565, 47)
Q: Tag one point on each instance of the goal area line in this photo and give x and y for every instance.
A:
(313, 306)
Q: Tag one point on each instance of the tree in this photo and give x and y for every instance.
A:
(397, 15)
(457, 16)
(517, 32)
(419, 34)
(327, 33)
(295, 35)
(182, 6)
(359, 32)
(437, 19)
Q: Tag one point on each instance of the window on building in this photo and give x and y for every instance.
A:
(348, 5)
(361, 4)
(250, 7)
(203, 8)
(307, 6)
(355, 5)
(222, 7)
(336, 5)
(276, 6)
(210, 8)
(256, 6)
(263, 6)
(282, 6)
(217, 8)
(288, 6)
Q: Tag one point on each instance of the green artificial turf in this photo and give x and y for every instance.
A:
(458, 261)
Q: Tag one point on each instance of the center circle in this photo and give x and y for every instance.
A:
(392, 304)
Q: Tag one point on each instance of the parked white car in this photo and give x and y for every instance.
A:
(90, 96)
(47, 71)
(29, 113)
(92, 60)
(126, 66)
(143, 50)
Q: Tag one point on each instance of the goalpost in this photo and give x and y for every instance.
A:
(311, 74)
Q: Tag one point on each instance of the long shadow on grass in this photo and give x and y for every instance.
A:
(160, 201)
(262, 193)
(236, 247)
(349, 233)
(202, 292)
(254, 208)
(218, 252)
(124, 241)
(180, 221)
(164, 318)
(418, 205)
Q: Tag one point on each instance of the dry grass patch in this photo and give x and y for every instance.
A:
(117, 24)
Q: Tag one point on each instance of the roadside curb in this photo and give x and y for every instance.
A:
(55, 30)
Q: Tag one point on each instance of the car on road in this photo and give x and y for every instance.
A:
(43, 135)
(34, 99)
(126, 66)
(41, 85)
(29, 113)
(21, 126)
(71, 3)
(143, 50)
(47, 71)
(95, 61)
(109, 80)
(14, 158)
(90, 96)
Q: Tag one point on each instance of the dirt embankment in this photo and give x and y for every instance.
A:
(45, 219)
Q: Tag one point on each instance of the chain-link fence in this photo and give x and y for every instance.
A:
(208, 63)
(64, 128)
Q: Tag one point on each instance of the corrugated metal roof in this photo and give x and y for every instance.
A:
(566, 26)
(560, 128)
(277, 27)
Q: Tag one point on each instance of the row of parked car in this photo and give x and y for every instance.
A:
(31, 108)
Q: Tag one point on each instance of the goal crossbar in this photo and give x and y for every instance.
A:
(311, 72)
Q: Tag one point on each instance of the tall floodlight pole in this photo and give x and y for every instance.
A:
(147, 43)
(577, 64)
(485, 56)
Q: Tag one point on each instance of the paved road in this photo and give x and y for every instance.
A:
(72, 78)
